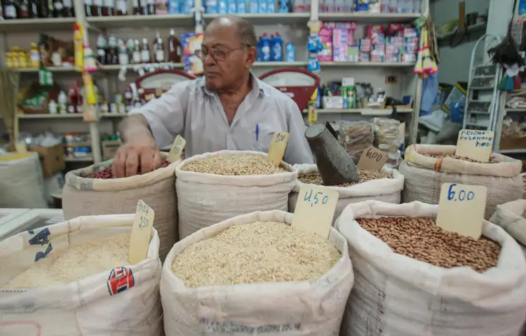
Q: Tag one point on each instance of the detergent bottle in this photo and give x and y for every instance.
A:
(265, 48)
(277, 48)
(290, 52)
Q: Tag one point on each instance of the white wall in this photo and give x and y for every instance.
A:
(454, 62)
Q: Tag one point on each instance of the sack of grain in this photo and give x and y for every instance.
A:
(376, 187)
(84, 196)
(403, 293)
(73, 278)
(256, 305)
(427, 167)
(22, 183)
(213, 187)
(523, 176)
(510, 217)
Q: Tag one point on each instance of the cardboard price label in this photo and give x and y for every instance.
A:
(177, 149)
(277, 147)
(21, 147)
(461, 208)
(372, 159)
(476, 145)
(315, 209)
(141, 233)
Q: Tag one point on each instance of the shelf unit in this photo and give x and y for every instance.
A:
(275, 21)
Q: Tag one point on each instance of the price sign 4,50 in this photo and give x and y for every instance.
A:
(318, 197)
(315, 209)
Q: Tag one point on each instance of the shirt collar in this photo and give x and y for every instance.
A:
(256, 86)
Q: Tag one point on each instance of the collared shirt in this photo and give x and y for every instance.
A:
(195, 112)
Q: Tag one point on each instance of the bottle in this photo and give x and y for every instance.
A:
(121, 7)
(23, 9)
(124, 59)
(158, 49)
(108, 8)
(161, 7)
(58, 8)
(62, 102)
(136, 7)
(150, 6)
(222, 6)
(112, 53)
(88, 4)
(101, 49)
(417, 6)
(277, 48)
(262, 6)
(68, 10)
(338, 6)
(283, 8)
(329, 6)
(10, 10)
(231, 6)
(42, 9)
(290, 52)
(259, 52)
(173, 7)
(241, 6)
(265, 48)
(43, 50)
(97, 8)
(75, 98)
(33, 9)
(50, 9)
(145, 51)
(137, 59)
(271, 6)
(174, 48)
(129, 50)
(348, 4)
(34, 56)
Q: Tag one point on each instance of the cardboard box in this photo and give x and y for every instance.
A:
(51, 158)
(512, 143)
(109, 148)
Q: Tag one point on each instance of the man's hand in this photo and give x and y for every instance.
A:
(133, 158)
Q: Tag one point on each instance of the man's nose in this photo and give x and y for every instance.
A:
(209, 60)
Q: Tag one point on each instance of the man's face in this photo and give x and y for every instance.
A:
(226, 60)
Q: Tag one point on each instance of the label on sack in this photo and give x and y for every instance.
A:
(21, 147)
(461, 208)
(177, 149)
(141, 233)
(277, 147)
(315, 209)
(476, 145)
(372, 159)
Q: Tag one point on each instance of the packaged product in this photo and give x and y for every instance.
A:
(290, 308)
(355, 137)
(385, 185)
(86, 196)
(50, 285)
(427, 167)
(21, 182)
(226, 184)
(400, 290)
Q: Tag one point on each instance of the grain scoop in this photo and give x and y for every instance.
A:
(334, 164)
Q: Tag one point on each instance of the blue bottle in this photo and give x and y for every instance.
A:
(265, 48)
(262, 6)
(277, 48)
(258, 57)
(271, 6)
(290, 52)
(241, 6)
(253, 6)
(211, 6)
(282, 6)
(222, 6)
(232, 6)
(173, 7)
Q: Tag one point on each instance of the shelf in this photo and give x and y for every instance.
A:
(368, 64)
(478, 26)
(363, 111)
(114, 115)
(369, 17)
(280, 64)
(44, 25)
(516, 110)
(50, 116)
(269, 19)
(142, 21)
(79, 159)
(513, 151)
(130, 67)
(52, 69)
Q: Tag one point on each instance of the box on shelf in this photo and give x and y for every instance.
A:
(51, 158)
(512, 143)
(109, 148)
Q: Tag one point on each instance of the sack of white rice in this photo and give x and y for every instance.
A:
(92, 191)
(256, 275)
(213, 187)
(511, 217)
(385, 185)
(415, 279)
(74, 279)
(427, 167)
(21, 182)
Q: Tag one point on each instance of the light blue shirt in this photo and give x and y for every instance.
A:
(195, 112)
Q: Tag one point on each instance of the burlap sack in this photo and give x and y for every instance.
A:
(425, 175)
(87, 196)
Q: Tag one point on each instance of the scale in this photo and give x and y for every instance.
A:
(154, 84)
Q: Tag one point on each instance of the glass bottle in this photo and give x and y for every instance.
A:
(88, 5)
(143, 4)
(112, 53)
(121, 7)
(174, 48)
(43, 8)
(137, 53)
(108, 8)
(68, 10)
(158, 49)
(136, 8)
(10, 10)
(145, 52)
(50, 9)
(23, 9)
(101, 49)
(123, 54)
(33, 9)
(97, 8)
(58, 8)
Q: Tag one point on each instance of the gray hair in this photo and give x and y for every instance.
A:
(246, 31)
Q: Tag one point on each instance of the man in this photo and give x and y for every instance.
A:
(227, 109)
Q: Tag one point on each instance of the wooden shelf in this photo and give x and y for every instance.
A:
(369, 17)
(43, 25)
(142, 21)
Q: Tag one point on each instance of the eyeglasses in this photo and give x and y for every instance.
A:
(218, 54)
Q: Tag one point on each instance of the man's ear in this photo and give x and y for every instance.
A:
(251, 55)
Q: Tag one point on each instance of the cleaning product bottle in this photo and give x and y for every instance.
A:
(282, 6)
(222, 6)
(241, 6)
(259, 52)
(253, 6)
(290, 52)
(271, 6)
(265, 48)
(231, 6)
(262, 6)
(277, 48)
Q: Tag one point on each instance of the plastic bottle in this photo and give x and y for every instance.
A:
(262, 6)
(34, 56)
(136, 56)
(271, 6)
(259, 52)
(265, 48)
(417, 6)
(329, 6)
(101, 49)
(277, 48)
(158, 49)
(253, 6)
(121, 7)
(231, 6)
(211, 6)
(241, 6)
(145, 51)
(222, 6)
(339, 6)
(290, 52)
(282, 6)
(298, 6)
(347, 6)
(124, 59)
(62, 102)
(173, 7)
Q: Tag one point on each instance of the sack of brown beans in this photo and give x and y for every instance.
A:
(92, 191)
(254, 274)
(21, 182)
(511, 217)
(385, 185)
(427, 167)
(213, 187)
(413, 278)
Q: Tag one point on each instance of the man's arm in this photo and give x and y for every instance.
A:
(298, 150)
(156, 123)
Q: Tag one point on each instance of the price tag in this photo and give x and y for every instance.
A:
(21, 147)
(277, 147)
(461, 208)
(315, 209)
(141, 233)
(177, 149)
(372, 159)
(476, 145)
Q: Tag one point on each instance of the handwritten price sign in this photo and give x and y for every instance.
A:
(372, 159)
(315, 209)
(475, 145)
(141, 233)
(461, 208)
(277, 147)
(177, 149)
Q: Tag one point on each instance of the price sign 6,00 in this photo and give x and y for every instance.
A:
(462, 194)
